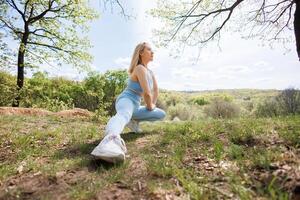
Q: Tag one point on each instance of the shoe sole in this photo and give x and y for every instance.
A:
(111, 159)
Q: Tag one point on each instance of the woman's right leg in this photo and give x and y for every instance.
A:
(112, 148)
(116, 124)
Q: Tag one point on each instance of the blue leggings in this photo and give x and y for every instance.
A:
(127, 109)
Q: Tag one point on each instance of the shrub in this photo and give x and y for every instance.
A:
(82, 98)
(182, 111)
(54, 104)
(7, 89)
(220, 108)
(221, 96)
(114, 84)
(43, 92)
(101, 115)
(161, 103)
(172, 99)
(268, 108)
(249, 106)
(97, 91)
(289, 101)
(200, 101)
(90, 94)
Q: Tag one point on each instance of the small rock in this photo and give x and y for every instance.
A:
(20, 169)
(176, 119)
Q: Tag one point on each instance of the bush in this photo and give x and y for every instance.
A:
(182, 111)
(90, 94)
(249, 106)
(172, 99)
(289, 101)
(268, 108)
(114, 84)
(220, 108)
(8, 89)
(54, 104)
(101, 115)
(42, 92)
(168, 99)
(161, 103)
(200, 101)
(82, 98)
(221, 96)
(97, 91)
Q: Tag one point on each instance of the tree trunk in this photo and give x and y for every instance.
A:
(297, 26)
(20, 77)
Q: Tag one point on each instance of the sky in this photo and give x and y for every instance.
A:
(239, 64)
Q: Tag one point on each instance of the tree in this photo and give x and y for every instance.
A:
(197, 22)
(46, 31)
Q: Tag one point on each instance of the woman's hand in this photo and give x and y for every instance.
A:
(152, 107)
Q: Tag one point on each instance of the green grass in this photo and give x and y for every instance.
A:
(212, 159)
(245, 145)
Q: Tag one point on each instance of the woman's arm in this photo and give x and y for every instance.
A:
(141, 73)
(155, 89)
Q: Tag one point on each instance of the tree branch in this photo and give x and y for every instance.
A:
(13, 5)
(50, 33)
(185, 18)
(119, 4)
(49, 46)
(39, 16)
(11, 27)
(202, 17)
(287, 23)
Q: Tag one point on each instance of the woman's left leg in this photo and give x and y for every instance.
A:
(143, 114)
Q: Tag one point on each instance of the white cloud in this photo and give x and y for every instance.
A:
(263, 66)
(234, 69)
(123, 62)
(260, 80)
(186, 72)
(261, 63)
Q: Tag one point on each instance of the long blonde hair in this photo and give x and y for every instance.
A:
(136, 57)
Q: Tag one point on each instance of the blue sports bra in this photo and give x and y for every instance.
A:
(135, 85)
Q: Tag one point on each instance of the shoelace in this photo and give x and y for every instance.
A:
(123, 146)
(118, 140)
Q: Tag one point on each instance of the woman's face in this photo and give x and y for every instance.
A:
(147, 54)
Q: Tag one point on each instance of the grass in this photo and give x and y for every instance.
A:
(212, 159)
(245, 143)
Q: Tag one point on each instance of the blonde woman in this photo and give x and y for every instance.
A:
(141, 84)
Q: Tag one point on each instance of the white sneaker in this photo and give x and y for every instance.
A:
(133, 125)
(111, 149)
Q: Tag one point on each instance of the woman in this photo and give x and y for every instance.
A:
(141, 83)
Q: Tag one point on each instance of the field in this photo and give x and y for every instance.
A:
(243, 158)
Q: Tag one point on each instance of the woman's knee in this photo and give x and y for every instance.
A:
(160, 114)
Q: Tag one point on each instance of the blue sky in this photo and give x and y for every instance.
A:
(239, 64)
